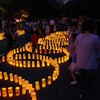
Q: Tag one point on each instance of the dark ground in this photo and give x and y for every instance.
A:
(58, 90)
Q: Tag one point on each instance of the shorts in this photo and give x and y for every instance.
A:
(73, 66)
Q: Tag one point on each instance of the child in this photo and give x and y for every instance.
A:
(35, 38)
(72, 66)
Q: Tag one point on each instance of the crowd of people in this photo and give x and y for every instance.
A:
(84, 44)
(84, 47)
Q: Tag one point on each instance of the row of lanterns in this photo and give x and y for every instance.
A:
(9, 91)
(18, 58)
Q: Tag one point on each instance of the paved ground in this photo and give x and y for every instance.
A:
(59, 90)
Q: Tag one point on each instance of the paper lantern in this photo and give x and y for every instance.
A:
(43, 82)
(23, 90)
(33, 64)
(24, 64)
(10, 91)
(4, 92)
(49, 80)
(1, 77)
(16, 78)
(17, 91)
(11, 77)
(28, 64)
(20, 80)
(38, 64)
(33, 95)
(5, 76)
(37, 85)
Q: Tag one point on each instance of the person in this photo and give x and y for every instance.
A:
(28, 30)
(73, 68)
(52, 24)
(87, 47)
(72, 29)
(47, 29)
(10, 37)
(35, 38)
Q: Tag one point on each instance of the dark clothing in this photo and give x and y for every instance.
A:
(9, 38)
(86, 80)
(35, 38)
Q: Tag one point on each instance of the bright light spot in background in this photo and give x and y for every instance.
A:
(65, 1)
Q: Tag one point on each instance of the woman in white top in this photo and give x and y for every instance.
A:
(87, 46)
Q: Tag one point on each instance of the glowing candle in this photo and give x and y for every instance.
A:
(17, 91)
(36, 51)
(17, 64)
(33, 56)
(46, 58)
(13, 63)
(20, 56)
(28, 64)
(40, 57)
(65, 58)
(54, 76)
(24, 56)
(43, 57)
(49, 51)
(16, 56)
(48, 63)
(24, 63)
(59, 60)
(62, 59)
(26, 84)
(33, 95)
(20, 80)
(30, 87)
(32, 90)
(20, 63)
(23, 82)
(38, 64)
(56, 60)
(49, 80)
(40, 47)
(33, 64)
(17, 50)
(43, 82)
(11, 77)
(37, 85)
(54, 51)
(43, 46)
(10, 91)
(1, 77)
(29, 56)
(43, 63)
(47, 47)
(23, 48)
(57, 51)
(23, 90)
(16, 78)
(37, 57)
(4, 92)
(5, 76)
(3, 58)
(14, 51)
(40, 51)
(0, 92)
(45, 51)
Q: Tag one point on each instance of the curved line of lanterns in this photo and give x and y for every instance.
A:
(53, 43)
